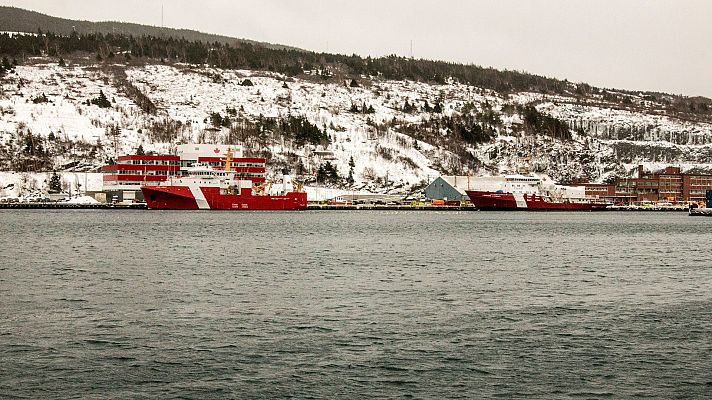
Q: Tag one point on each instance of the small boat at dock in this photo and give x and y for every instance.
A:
(700, 212)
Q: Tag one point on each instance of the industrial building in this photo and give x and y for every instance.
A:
(452, 188)
(670, 185)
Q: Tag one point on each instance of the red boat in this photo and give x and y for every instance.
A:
(530, 193)
(207, 188)
(526, 202)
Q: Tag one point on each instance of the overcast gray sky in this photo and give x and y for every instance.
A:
(633, 44)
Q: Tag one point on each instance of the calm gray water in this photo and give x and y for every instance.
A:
(151, 304)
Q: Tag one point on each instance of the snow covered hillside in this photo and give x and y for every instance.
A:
(387, 136)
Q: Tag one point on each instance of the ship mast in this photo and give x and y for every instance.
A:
(228, 160)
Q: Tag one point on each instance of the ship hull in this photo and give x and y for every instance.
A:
(497, 201)
(212, 198)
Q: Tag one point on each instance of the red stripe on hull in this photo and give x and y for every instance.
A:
(507, 202)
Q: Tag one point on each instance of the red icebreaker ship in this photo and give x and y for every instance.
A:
(528, 193)
(500, 201)
(208, 188)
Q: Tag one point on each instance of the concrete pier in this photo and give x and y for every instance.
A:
(70, 206)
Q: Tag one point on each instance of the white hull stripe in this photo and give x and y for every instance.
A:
(519, 198)
(199, 196)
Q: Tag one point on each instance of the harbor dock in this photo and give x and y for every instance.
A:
(73, 206)
(331, 207)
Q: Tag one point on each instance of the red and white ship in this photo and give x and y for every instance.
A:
(527, 193)
(208, 188)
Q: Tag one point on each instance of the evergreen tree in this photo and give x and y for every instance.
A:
(140, 151)
(353, 83)
(101, 101)
(216, 119)
(327, 173)
(304, 131)
(320, 174)
(55, 184)
(61, 62)
(6, 64)
(536, 122)
(40, 99)
(352, 164)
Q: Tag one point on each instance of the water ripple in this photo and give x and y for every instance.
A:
(354, 305)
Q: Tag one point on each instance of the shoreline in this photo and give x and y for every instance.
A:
(317, 207)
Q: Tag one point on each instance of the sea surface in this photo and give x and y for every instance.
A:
(199, 305)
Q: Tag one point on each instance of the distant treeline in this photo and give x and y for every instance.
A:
(241, 55)
(13, 19)
(287, 61)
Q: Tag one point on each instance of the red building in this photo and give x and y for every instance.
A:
(670, 185)
(132, 171)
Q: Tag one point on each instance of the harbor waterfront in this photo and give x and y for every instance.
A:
(330, 304)
(332, 207)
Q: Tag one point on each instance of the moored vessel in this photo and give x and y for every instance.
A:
(527, 193)
(706, 210)
(500, 201)
(208, 188)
